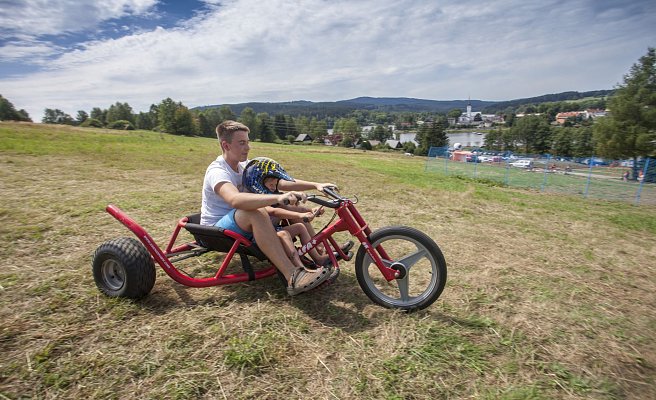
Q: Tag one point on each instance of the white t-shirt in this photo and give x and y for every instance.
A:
(214, 207)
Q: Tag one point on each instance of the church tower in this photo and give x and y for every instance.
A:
(469, 108)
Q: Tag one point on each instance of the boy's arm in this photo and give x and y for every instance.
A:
(303, 185)
(284, 213)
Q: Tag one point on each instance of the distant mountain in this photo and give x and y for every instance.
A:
(341, 108)
(415, 105)
(547, 98)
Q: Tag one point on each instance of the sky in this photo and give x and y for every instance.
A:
(76, 55)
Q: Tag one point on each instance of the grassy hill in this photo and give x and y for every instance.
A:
(548, 297)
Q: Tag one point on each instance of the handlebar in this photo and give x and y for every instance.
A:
(322, 202)
(337, 199)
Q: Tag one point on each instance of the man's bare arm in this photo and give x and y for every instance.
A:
(250, 201)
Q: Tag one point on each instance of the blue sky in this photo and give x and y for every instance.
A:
(76, 55)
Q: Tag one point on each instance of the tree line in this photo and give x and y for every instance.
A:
(628, 132)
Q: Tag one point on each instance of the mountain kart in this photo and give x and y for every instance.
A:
(397, 267)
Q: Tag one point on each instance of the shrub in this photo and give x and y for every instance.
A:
(121, 124)
(92, 122)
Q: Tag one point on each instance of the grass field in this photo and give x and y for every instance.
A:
(548, 296)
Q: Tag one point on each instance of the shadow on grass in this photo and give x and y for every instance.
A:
(339, 305)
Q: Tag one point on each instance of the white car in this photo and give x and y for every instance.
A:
(522, 164)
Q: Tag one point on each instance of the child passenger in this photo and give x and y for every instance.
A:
(262, 175)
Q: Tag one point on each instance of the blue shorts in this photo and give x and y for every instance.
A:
(228, 222)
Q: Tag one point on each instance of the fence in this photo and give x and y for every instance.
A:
(590, 177)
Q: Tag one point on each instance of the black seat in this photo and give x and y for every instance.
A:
(213, 238)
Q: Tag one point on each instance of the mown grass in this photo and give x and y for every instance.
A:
(549, 296)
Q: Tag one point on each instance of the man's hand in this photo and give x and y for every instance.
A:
(292, 198)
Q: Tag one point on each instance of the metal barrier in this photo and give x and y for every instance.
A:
(590, 177)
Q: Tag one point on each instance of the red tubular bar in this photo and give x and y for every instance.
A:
(160, 256)
(362, 231)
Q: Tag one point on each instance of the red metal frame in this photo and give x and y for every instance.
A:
(349, 219)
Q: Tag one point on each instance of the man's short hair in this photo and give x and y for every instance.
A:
(226, 129)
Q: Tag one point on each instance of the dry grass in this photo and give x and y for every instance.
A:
(548, 296)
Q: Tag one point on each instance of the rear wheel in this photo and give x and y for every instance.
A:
(123, 268)
(418, 260)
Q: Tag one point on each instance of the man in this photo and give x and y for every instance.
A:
(227, 206)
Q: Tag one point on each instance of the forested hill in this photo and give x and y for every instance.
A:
(413, 105)
(547, 98)
(397, 104)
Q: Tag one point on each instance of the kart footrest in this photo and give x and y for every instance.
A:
(246, 265)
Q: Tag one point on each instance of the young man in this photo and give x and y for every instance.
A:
(226, 205)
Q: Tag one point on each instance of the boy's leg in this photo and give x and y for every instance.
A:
(298, 229)
(288, 245)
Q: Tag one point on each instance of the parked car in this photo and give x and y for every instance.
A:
(522, 164)
(473, 158)
(594, 161)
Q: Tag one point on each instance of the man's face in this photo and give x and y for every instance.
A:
(239, 147)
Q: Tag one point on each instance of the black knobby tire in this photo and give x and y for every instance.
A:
(123, 268)
(420, 261)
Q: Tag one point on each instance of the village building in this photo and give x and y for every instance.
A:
(303, 137)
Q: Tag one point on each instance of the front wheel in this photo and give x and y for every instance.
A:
(123, 268)
(421, 266)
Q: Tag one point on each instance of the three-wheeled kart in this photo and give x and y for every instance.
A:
(397, 266)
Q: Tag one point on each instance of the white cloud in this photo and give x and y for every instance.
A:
(28, 51)
(247, 50)
(37, 17)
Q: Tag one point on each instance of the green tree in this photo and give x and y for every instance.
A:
(184, 122)
(249, 118)
(431, 135)
(265, 128)
(455, 113)
(318, 128)
(56, 116)
(409, 147)
(494, 140)
(582, 144)
(81, 116)
(119, 112)
(533, 132)
(166, 115)
(562, 143)
(204, 126)
(510, 119)
(225, 114)
(99, 115)
(280, 126)
(630, 129)
(8, 112)
(144, 121)
(379, 133)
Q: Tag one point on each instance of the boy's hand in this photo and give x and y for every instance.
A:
(321, 186)
(308, 217)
